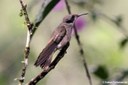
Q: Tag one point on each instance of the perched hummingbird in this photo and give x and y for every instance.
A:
(60, 37)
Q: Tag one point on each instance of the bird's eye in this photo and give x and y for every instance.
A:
(70, 20)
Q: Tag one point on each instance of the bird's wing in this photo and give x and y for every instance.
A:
(45, 54)
(50, 48)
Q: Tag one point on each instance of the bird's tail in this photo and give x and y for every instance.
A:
(44, 59)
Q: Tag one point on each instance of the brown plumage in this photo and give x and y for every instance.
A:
(44, 58)
(60, 37)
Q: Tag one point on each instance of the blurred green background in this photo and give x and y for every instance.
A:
(100, 39)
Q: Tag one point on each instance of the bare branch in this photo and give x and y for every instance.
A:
(122, 30)
(24, 12)
(82, 55)
(68, 7)
(27, 47)
(80, 46)
(30, 32)
(52, 66)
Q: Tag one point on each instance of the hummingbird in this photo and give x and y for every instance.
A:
(59, 38)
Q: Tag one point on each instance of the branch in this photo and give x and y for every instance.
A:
(82, 55)
(27, 47)
(122, 30)
(24, 12)
(80, 46)
(117, 22)
(52, 66)
(45, 9)
(68, 7)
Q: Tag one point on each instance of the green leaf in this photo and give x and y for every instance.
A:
(102, 72)
(94, 16)
(123, 42)
(119, 20)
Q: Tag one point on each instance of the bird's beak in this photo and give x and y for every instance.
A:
(82, 14)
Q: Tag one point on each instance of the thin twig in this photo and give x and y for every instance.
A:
(24, 12)
(80, 46)
(122, 29)
(30, 32)
(118, 24)
(123, 76)
(52, 66)
(32, 27)
(27, 47)
(68, 7)
(82, 55)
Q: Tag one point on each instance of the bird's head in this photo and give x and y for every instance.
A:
(72, 17)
